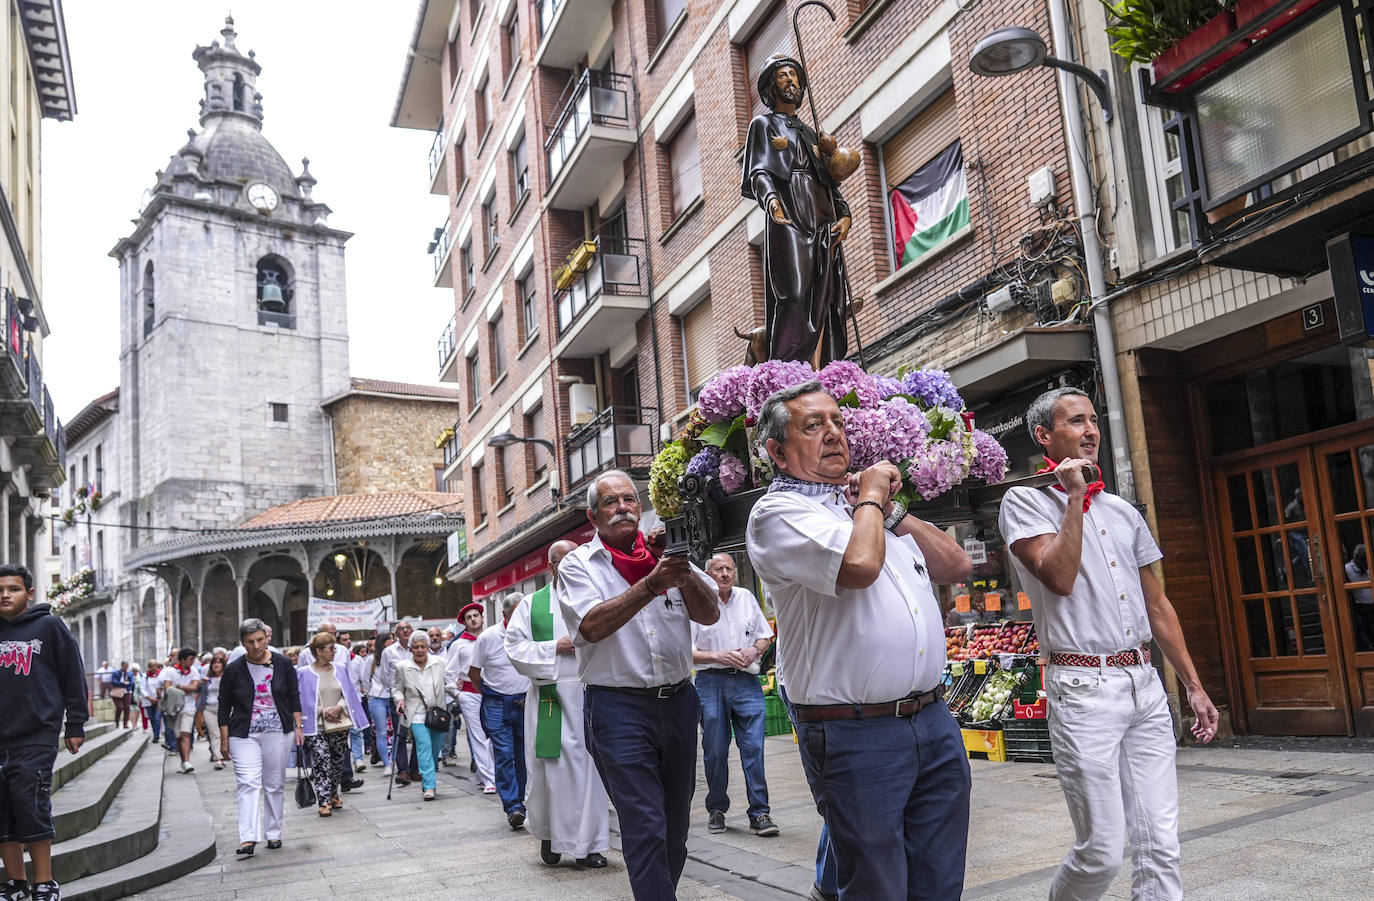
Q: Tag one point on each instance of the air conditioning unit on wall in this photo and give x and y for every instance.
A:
(581, 403)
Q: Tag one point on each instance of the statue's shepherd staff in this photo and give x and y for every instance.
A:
(816, 122)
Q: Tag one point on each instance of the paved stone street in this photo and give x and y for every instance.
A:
(1257, 823)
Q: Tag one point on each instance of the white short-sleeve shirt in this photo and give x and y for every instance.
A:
(844, 646)
(489, 656)
(654, 648)
(741, 623)
(1105, 612)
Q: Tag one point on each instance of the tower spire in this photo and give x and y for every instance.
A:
(230, 79)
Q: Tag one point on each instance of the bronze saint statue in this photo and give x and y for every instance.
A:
(794, 175)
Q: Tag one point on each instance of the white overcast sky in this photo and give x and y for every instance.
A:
(330, 75)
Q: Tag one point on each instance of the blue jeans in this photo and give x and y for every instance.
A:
(427, 751)
(894, 793)
(155, 718)
(645, 750)
(503, 716)
(379, 709)
(827, 875)
(731, 697)
(451, 740)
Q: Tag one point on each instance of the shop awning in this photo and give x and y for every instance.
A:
(532, 564)
(1024, 355)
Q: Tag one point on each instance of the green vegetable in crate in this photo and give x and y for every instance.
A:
(995, 697)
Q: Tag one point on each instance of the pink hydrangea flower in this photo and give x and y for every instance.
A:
(841, 377)
(772, 376)
(723, 397)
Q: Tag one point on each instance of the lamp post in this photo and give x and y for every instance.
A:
(1008, 51)
(506, 439)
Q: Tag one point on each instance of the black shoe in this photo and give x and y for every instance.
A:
(246, 850)
(349, 786)
(15, 890)
(376, 758)
(818, 895)
(472, 767)
(546, 854)
(592, 861)
(516, 818)
(763, 825)
(273, 844)
(46, 891)
(717, 822)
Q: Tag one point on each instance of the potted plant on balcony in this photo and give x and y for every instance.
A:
(1185, 40)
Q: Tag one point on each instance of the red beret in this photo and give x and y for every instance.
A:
(473, 606)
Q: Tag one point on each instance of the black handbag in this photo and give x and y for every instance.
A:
(438, 719)
(305, 789)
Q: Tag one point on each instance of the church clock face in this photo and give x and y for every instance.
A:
(262, 197)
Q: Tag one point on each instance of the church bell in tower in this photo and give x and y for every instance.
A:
(272, 299)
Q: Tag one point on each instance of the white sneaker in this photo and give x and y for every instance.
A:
(488, 789)
(186, 768)
(359, 766)
(387, 771)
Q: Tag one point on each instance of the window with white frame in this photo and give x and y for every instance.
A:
(1163, 167)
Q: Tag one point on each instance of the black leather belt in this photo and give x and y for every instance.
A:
(723, 671)
(657, 692)
(817, 713)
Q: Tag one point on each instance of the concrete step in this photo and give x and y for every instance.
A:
(185, 843)
(82, 803)
(68, 766)
(95, 729)
(128, 830)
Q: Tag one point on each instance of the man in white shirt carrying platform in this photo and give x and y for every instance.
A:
(850, 574)
(629, 611)
(503, 712)
(567, 802)
(1084, 558)
(727, 658)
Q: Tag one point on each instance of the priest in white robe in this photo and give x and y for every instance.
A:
(567, 806)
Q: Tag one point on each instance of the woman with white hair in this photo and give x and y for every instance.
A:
(422, 683)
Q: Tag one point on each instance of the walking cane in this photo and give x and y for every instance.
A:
(395, 740)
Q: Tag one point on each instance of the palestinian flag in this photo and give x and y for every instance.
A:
(930, 205)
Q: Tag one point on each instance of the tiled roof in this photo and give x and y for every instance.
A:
(353, 507)
(95, 412)
(381, 386)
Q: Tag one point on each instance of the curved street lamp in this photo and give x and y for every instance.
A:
(506, 439)
(1007, 51)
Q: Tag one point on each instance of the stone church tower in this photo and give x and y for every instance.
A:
(233, 326)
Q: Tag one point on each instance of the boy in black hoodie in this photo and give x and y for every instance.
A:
(41, 681)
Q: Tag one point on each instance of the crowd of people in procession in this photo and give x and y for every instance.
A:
(598, 687)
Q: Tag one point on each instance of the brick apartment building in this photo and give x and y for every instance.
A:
(601, 254)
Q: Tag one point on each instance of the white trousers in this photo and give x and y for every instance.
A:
(471, 706)
(1113, 742)
(260, 769)
(212, 732)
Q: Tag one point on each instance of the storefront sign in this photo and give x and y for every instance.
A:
(976, 550)
(344, 614)
(1351, 257)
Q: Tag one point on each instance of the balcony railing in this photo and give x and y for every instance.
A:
(618, 438)
(436, 152)
(614, 269)
(439, 245)
(597, 97)
(453, 447)
(448, 341)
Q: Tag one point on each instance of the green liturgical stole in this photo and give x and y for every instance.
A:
(548, 730)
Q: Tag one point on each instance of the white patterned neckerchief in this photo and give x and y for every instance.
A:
(784, 482)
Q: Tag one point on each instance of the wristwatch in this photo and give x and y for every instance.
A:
(892, 519)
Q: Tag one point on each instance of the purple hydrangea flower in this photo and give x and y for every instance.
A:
(989, 458)
(770, 377)
(933, 387)
(722, 398)
(841, 377)
(866, 432)
(906, 431)
(888, 386)
(732, 473)
(937, 468)
(706, 463)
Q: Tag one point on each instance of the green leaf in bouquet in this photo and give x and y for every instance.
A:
(942, 423)
(903, 370)
(715, 434)
(849, 400)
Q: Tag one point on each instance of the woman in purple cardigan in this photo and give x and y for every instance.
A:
(330, 707)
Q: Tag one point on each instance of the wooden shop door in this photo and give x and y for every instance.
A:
(1277, 545)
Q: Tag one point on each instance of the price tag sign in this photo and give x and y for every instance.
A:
(992, 600)
(1022, 601)
(961, 603)
(977, 551)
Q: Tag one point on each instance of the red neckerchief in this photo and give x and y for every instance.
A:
(1094, 488)
(184, 672)
(635, 565)
(467, 636)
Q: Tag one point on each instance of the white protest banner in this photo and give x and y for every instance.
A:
(344, 614)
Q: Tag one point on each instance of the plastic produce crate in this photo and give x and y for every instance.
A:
(984, 744)
(1027, 740)
(775, 716)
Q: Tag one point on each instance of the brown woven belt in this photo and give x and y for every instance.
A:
(816, 713)
(1132, 657)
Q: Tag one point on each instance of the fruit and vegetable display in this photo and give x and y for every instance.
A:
(982, 641)
(993, 701)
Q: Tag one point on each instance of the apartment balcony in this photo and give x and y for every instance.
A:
(601, 295)
(30, 421)
(448, 351)
(451, 443)
(618, 438)
(567, 29)
(440, 249)
(588, 142)
(438, 164)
